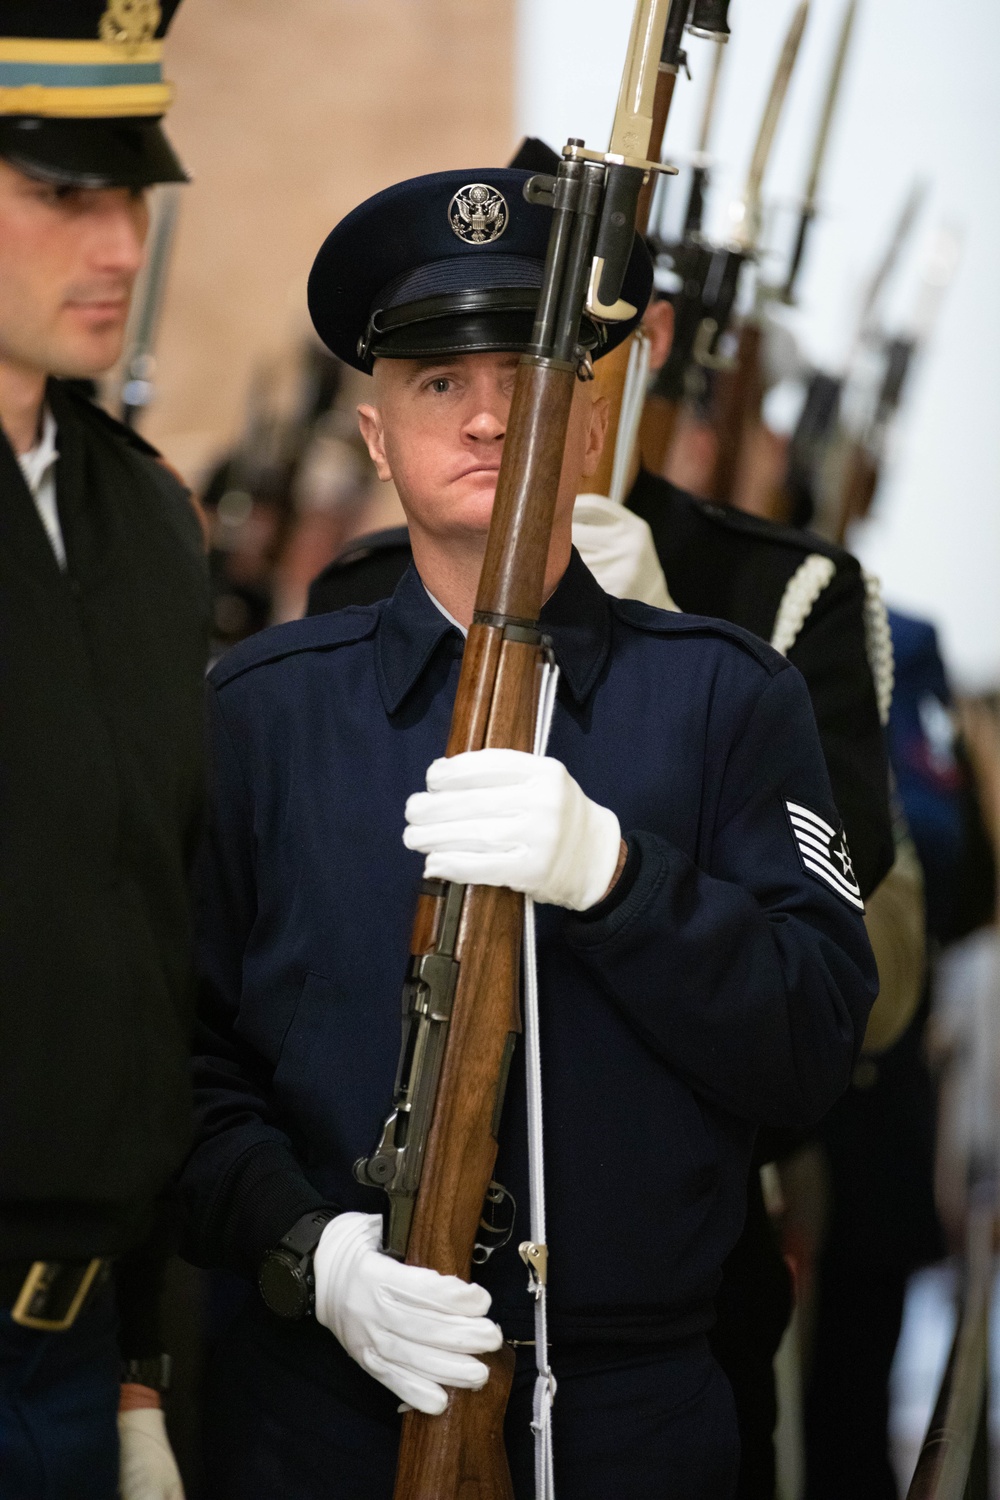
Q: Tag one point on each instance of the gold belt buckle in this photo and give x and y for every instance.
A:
(42, 1285)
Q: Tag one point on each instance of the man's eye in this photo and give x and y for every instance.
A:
(441, 385)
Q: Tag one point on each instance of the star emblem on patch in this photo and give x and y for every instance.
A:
(824, 853)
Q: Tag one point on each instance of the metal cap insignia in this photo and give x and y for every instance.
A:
(129, 23)
(478, 214)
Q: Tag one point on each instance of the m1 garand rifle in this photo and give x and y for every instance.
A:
(737, 385)
(437, 1149)
(868, 421)
(139, 364)
(702, 18)
(824, 484)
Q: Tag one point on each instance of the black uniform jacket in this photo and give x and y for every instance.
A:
(722, 983)
(101, 786)
(721, 562)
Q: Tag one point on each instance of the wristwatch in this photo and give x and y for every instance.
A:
(285, 1278)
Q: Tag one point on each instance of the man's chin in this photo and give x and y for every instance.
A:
(86, 356)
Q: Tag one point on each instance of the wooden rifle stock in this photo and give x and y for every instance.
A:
(736, 403)
(460, 1453)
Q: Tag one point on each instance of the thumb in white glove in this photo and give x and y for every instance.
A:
(412, 1329)
(146, 1466)
(501, 817)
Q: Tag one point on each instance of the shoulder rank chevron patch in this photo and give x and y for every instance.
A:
(824, 853)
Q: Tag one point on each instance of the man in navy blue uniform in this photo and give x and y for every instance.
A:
(703, 962)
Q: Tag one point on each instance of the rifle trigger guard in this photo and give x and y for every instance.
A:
(496, 1194)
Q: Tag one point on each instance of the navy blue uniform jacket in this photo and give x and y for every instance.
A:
(719, 987)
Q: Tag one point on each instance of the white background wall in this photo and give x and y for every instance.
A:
(919, 98)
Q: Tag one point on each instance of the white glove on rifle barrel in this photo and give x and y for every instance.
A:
(410, 1328)
(501, 817)
(146, 1466)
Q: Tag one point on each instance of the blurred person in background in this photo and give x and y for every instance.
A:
(879, 1140)
(104, 623)
(284, 500)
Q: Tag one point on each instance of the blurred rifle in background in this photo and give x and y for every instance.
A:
(814, 439)
(867, 430)
(628, 367)
(738, 386)
(706, 277)
(139, 364)
(838, 449)
(807, 210)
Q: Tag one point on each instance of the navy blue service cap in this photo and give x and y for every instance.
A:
(82, 91)
(445, 264)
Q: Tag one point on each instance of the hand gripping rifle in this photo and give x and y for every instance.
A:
(436, 1152)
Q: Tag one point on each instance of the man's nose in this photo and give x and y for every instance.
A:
(119, 243)
(487, 425)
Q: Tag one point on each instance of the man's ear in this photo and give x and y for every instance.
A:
(658, 323)
(600, 414)
(370, 423)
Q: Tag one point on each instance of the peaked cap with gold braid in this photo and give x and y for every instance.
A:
(82, 91)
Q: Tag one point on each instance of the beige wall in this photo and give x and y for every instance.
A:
(288, 113)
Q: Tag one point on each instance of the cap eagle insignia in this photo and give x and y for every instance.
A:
(478, 214)
(129, 23)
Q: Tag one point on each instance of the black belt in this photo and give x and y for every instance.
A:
(50, 1294)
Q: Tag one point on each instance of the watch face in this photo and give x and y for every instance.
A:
(283, 1285)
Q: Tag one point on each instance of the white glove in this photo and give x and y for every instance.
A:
(410, 1328)
(501, 817)
(146, 1466)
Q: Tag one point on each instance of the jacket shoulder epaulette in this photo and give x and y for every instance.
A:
(664, 622)
(343, 627)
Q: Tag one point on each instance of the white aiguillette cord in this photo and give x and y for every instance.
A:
(534, 1252)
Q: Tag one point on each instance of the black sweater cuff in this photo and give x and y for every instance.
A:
(265, 1193)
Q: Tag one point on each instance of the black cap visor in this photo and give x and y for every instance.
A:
(467, 322)
(131, 153)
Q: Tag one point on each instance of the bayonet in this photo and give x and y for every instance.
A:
(700, 162)
(808, 210)
(746, 212)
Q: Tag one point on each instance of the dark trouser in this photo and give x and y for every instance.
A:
(754, 1305)
(858, 1316)
(58, 1408)
(633, 1424)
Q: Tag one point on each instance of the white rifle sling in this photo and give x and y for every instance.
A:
(534, 1252)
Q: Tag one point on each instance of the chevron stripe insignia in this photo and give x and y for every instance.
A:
(824, 853)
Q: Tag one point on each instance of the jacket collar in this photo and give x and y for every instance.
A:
(577, 619)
